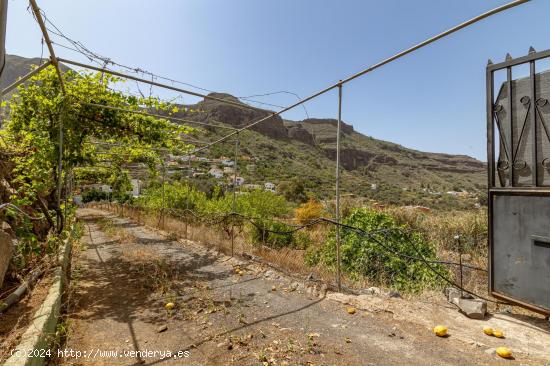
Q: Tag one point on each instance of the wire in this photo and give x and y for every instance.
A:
(80, 48)
(217, 218)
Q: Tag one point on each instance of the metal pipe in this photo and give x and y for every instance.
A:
(437, 37)
(490, 130)
(59, 176)
(512, 158)
(163, 193)
(337, 218)
(459, 250)
(378, 65)
(534, 127)
(46, 36)
(146, 148)
(54, 61)
(157, 115)
(234, 209)
(3, 23)
(26, 77)
(188, 190)
(160, 85)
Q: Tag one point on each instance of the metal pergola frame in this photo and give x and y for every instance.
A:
(339, 85)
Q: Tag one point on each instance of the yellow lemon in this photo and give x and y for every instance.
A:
(498, 333)
(351, 310)
(169, 306)
(488, 331)
(440, 330)
(504, 352)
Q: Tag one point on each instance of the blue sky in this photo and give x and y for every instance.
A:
(431, 100)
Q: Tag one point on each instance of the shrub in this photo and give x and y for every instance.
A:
(94, 194)
(273, 234)
(293, 190)
(309, 211)
(368, 255)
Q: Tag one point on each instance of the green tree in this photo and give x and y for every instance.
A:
(293, 190)
(40, 112)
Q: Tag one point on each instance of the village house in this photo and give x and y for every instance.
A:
(216, 173)
(228, 162)
(269, 186)
(136, 187)
(238, 180)
(252, 187)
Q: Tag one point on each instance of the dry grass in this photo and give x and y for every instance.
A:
(116, 232)
(438, 227)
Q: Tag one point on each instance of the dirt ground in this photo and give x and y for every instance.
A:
(15, 321)
(232, 312)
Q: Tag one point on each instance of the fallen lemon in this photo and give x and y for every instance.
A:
(169, 306)
(498, 333)
(351, 310)
(440, 330)
(504, 352)
(488, 331)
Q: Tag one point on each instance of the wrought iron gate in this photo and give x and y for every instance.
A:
(518, 125)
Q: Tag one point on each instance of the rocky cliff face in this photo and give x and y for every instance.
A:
(357, 149)
(240, 117)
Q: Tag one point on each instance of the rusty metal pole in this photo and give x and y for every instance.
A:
(337, 218)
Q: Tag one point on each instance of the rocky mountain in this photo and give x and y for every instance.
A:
(282, 149)
(17, 66)
(277, 150)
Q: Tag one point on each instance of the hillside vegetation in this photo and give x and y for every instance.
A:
(279, 150)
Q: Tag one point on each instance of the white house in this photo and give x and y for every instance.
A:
(252, 187)
(106, 188)
(136, 187)
(239, 181)
(216, 173)
(269, 186)
(228, 162)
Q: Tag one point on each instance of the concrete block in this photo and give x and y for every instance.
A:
(473, 308)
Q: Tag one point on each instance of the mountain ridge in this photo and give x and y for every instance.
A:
(283, 149)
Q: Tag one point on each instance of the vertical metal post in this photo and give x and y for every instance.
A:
(338, 273)
(459, 250)
(490, 164)
(3, 23)
(67, 178)
(510, 123)
(234, 209)
(60, 176)
(490, 129)
(163, 193)
(188, 193)
(535, 163)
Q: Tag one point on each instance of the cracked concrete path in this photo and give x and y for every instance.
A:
(227, 311)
